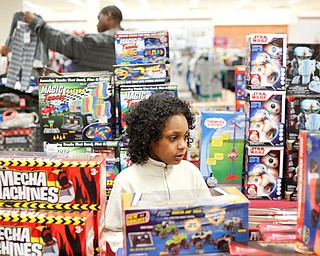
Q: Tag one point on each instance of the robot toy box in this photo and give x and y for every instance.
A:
(222, 148)
(308, 224)
(265, 113)
(266, 61)
(44, 233)
(141, 74)
(188, 227)
(76, 108)
(263, 172)
(303, 69)
(291, 175)
(142, 47)
(303, 113)
(46, 182)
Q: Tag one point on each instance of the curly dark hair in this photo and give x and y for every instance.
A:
(146, 121)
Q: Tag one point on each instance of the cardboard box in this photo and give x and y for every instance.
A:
(38, 181)
(266, 61)
(186, 227)
(222, 148)
(29, 232)
(291, 175)
(240, 82)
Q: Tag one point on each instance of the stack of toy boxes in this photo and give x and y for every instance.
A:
(308, 225)
(240, 86)
(222, 148)
(57, 203)
(154, 225)
(303, 105)
(265, 112)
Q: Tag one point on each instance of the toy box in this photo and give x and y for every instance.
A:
(141, 74)
(187, 227)
(266, 61)
(29, 232)
(140, 47)
(303, 69)
(265, 112)
(290, 175)
(308, 224)
(263, 172)
(46, 182)
(303, 113)
(222, 147)
(99, 220)
(240, 82)
(76, 107)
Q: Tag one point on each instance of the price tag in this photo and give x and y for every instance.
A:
(26, 37)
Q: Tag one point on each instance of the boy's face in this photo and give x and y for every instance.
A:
(172, 146)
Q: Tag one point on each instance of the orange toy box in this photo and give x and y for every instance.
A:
(43, 232)
(40, 181)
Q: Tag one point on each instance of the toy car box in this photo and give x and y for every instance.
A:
(142, 47)
(186, 227)
(265, 113)
(75, 107)
(308, 224)
(263, 172)
(222, 148)
(266, 61)
(39, 181)
(302, 113)
(303, 69)
(29, 232)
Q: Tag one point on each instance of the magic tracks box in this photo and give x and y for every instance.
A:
(185, 227)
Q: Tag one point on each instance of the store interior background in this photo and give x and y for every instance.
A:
(214, 28)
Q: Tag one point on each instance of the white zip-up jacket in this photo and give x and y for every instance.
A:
(152, 176)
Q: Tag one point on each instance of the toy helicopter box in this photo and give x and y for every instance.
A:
(222, 148)
(46, 182)
(303, 113)
(154, 225)
(308, 224)
(76, 107)
(141, 74)
(303, 69)
(142, 47)
(266, 61)
(29, 232)
(263, 172)
(265, 112)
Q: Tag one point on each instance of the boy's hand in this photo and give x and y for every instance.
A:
(4, 50)
(28, 16)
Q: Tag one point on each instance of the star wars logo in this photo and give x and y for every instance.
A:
(257, 151)
(17, 241)
(260, 39)
(257, 96)
(53, 93)
(26, 186)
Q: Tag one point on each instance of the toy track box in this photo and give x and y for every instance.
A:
(263, 172)
(77, 107)
(222, 148)
(308, 224)
(303, 69)
(266, 61)
(188, 227)
(142, 47)
(265, 112)
(29, 232)
(141, 74)
(52, 183)
(303, 113)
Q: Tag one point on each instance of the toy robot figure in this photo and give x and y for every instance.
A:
(309, 117)
(267, 129)
(303, 66)
(271, 160)
(273, 106)
(263, 180)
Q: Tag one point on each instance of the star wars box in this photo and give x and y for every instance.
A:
(46, 182)
(142, 47)
(222, 148)
(189, 226)
(308, 224)
(263, 172)
(303, 69)
(30, 232)
(303, 113)
(266, 61)
(77, 107)
(265, 113)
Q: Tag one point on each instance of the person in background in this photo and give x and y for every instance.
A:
(158, 133)
(91, 52)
